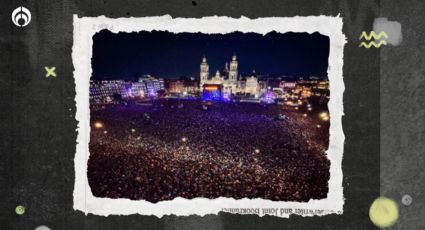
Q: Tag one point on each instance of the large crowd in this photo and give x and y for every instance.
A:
(182, 149)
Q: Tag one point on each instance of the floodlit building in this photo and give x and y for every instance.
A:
(176, 87)
(285, 85)
(252, 86)
(103, 91)
(138, 89)
(228, 78)
(153, 85)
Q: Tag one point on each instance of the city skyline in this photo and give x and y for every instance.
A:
(125, 56)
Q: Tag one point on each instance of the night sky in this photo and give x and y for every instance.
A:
(169, 55)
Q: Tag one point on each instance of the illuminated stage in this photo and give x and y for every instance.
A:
(212, 92)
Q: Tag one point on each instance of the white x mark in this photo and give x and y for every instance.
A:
(50, 71)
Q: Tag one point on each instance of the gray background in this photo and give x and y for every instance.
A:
(402, 81)
(383, 122)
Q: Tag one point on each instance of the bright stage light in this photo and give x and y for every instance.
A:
(184, 139)
(211, 88)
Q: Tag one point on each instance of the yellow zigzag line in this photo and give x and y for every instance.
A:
(372, 43)
(372, 34)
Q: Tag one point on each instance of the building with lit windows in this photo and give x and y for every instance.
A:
(251, 86)
(138, 89)
(176, 86)
(153, 85)
(103, 91)
(228, 78)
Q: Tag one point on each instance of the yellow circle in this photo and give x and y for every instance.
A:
(383, 212)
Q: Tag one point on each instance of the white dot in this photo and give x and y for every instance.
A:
(42, 227)
(406, 200)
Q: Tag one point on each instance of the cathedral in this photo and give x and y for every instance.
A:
(228, 79)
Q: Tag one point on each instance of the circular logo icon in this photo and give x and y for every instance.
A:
(21, 16)
(20, 210)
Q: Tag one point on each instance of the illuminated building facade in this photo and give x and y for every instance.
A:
(285, 85)
(228, 78)
(153, 85)
(176, 87)
(252, 86)
(103, 91)
(138, 89)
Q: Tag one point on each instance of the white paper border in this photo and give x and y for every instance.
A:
(86, 27)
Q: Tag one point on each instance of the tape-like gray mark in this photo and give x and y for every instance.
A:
(391, 28)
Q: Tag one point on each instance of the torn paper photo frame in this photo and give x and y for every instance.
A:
(84, 30)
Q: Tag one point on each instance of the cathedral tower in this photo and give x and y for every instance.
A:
(204, 72)
(233, 72)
